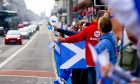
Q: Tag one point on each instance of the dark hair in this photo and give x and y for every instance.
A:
(105, 24)
(82, 23)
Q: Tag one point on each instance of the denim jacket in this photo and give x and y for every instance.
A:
(107, 41)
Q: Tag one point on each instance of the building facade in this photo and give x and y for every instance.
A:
(1, 4)
(75, 10)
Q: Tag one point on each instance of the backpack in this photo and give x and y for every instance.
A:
(128, 58)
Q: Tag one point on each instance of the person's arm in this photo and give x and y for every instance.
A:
(77, 37)
(100, 47)
(66, 32)
(74, 38)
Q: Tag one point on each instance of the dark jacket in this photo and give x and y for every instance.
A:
(66, 32)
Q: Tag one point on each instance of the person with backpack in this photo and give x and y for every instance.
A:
(128, 57)
(106, 42)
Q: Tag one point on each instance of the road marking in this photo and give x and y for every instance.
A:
(0, 51)
(51, 82)
(27, 81)
(53, 62)
(14, 55)
(12, 80)
(45, 82)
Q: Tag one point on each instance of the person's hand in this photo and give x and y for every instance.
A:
(99, 81)
(105, 69)
(60, 39)
(55, 28)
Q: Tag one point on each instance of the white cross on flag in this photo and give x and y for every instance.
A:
(71, 55)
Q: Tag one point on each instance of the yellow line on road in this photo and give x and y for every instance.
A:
(54, 65)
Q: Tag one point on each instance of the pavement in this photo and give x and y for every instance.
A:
(30, 63)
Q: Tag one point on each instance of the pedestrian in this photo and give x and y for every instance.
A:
(106, 42)
(90, 35)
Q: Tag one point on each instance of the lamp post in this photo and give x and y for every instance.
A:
(69, 11)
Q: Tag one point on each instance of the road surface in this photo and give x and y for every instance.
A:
(30, 63)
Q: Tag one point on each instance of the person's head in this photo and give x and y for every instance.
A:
(85, 25)
(82, 24)
(104, 25)
(76, 25)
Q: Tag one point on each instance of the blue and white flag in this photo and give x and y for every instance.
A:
(62, 73)
(72, 55)
(68, 56)
(128, 13)
(114, 73)
(50, 27)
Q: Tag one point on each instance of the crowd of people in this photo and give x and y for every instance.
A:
(105, 33)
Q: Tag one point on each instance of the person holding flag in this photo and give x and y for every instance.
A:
(90, 35)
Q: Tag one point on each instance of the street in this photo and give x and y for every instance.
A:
(30, 63)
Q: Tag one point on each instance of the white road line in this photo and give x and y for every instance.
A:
(14, 55)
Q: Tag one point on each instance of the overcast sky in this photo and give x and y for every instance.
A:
(38, 6)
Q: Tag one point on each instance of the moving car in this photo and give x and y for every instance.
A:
(13, 36)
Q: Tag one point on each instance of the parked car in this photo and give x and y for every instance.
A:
(20, 26)
(13, 36)
(33, 27)
(2, 31)
(25, 33)
(30, 30)
(38, 27)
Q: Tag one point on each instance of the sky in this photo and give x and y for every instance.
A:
(38, 6)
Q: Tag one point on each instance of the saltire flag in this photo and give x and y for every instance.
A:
(72, 55)
(127, 12)
(101, 59)
(62, 73)
(68, 56)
